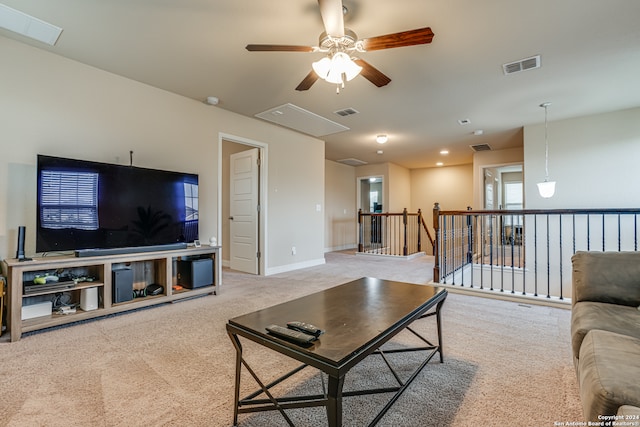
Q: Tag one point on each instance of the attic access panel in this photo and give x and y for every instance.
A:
(297, 118)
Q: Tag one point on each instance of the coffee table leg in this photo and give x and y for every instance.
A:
(236, 397)
(334, 401)
(439, 326)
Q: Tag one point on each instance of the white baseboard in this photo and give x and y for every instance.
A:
(296, 266)
(340, 248)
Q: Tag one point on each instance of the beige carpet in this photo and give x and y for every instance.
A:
(506, 364)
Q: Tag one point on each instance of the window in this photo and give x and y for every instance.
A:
(69, 200)
(513, 195)
(513, 200)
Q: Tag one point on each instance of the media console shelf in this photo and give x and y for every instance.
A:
(96, 272)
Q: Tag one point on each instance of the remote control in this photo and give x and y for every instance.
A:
(307, 328)
(288, 334)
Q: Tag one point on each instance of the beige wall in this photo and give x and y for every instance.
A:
(340, 214)
(593, 159)
(51, 105)
(451, 186)
(399, 188)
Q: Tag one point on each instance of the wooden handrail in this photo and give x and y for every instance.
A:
(410, 238)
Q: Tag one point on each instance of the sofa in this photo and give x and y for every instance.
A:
(605, 333)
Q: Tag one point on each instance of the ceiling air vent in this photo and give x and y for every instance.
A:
(522, 65)
(346, 112)
(352, 162)
(480, 147)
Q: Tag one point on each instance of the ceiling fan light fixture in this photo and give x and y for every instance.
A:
(322, 67)
(351, 69)
(337, 68)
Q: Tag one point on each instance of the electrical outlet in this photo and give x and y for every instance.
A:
(293, 250)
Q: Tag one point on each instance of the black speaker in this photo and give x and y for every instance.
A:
(195, 273)
(20, 252)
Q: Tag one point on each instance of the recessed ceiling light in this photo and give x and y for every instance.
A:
(444, 152)
(379, 152)
(478, 132)
(439, 164)
(381, 139)
(464, 121)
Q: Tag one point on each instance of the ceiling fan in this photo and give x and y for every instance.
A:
(340, 44)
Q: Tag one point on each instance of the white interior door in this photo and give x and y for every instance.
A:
(243, 220)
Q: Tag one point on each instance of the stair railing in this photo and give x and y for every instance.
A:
(393, 234)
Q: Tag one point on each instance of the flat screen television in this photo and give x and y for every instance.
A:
(85, 205)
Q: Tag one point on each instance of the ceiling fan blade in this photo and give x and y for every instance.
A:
(404, 38)
(372, 74)
(308, 81)
(332, 17)
(278, 48)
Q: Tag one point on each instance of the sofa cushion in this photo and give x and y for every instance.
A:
(612, 277)
(609, 368)
(629, 413)
(587, 315)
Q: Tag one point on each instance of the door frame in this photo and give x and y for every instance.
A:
(359, 179)
(262, 192)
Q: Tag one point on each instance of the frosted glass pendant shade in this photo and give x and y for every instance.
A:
(547, 189)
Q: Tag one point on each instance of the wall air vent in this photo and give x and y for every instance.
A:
(480, 147)
(346, 112)
(521, 65)
(352, 162)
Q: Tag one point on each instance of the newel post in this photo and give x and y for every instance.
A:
(436, 242)
(360, 232)
(405, 248)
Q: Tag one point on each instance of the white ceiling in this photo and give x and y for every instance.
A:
(590, 55)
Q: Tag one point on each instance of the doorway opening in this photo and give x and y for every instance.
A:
(370, 194)
(504, 190)
(371, 200)
(503, 187)
(242, 203)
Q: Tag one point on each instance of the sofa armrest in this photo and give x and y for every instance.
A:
(611, 277)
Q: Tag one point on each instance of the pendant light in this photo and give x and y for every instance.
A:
(546, 188)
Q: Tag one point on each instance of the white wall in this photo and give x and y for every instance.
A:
(593, 159)
(51, 105)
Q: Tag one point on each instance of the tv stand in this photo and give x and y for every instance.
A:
(157, 267)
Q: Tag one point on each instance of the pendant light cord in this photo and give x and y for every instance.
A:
(546, 146)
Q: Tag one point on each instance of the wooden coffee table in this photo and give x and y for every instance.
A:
(358, 317)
